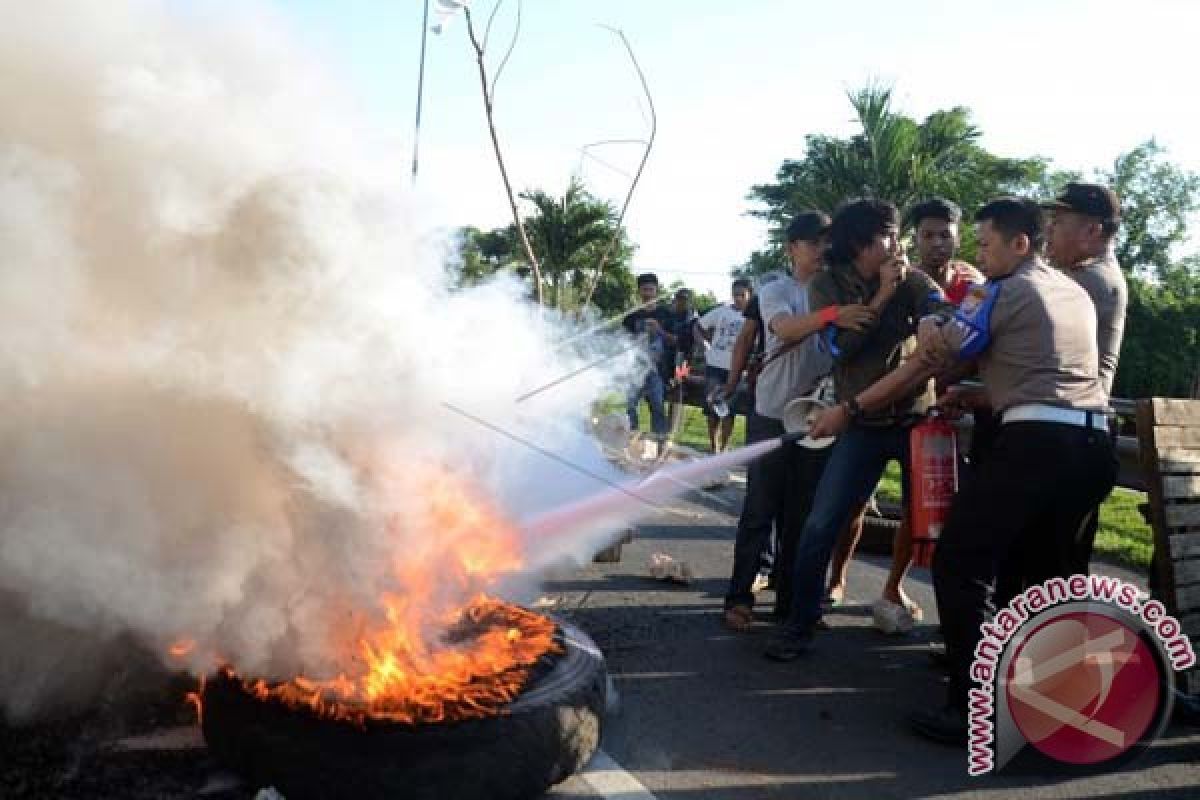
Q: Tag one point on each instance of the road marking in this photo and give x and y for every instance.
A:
(610, 780)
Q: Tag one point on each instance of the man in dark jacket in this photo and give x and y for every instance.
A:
(866, 266)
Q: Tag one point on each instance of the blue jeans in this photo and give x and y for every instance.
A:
(855, 466)
(654, 390)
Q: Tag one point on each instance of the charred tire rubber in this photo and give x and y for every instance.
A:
(549, 732)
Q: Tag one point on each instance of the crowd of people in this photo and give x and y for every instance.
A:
(1038, 323)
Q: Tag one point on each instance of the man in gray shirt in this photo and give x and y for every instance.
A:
(781, 484)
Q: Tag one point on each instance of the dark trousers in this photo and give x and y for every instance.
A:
(1032, 495)
(779, 494)
(1020, 569)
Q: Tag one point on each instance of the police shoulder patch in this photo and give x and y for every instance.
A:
(975, 296)
(974, 318)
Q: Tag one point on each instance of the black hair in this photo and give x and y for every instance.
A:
(647, 277)
(855, 226)
(933, 208)
(1015, 215)
(807, 226)
(742, 283)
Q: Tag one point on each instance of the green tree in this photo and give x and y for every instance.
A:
(894, 157)
(616, 290)
(1160, 355)
(1157, 198)
(483, 253)
(568, 235)
(704, 301)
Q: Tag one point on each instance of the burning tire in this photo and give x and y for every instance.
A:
(546, 734)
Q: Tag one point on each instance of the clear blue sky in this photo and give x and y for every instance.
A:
(737, 85)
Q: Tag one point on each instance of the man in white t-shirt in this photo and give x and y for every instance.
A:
(719, 330)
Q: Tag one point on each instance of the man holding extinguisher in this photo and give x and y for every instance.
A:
(1032, 331)
(865, 266)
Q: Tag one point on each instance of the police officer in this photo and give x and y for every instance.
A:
(1079, 241)
(1082, 223)
(1032, 331)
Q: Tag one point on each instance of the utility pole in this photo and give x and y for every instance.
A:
(420, 89)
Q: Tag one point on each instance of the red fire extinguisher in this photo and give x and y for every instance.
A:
(933, 473)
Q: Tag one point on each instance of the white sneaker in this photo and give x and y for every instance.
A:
(892, 618)
(761, 581)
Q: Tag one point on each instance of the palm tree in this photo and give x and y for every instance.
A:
(568, 234)
(896, 158)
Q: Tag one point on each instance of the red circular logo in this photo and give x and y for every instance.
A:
(1083, 688)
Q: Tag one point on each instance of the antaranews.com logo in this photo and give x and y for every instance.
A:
(1079, 670)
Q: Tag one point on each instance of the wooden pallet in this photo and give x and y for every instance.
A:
(1169, 441)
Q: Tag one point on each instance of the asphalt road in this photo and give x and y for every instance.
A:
(701, 715)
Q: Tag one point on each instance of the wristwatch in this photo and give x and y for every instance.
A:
(853, 409)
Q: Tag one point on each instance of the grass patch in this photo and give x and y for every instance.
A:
(1124, 535)
(889, 484)
(690, 429)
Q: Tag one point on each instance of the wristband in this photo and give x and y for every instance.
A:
(829, 315)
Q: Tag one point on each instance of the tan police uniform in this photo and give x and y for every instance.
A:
(1100, 276)
(1033, 334)
(1102, 279)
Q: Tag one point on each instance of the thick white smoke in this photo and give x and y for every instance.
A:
(220, 323)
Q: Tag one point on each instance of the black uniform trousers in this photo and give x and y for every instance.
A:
(1031, 495)
(779, 492)
(1020, 570)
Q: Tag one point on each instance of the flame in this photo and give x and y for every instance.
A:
(407, 681)
(440, 647)
(181, 648)
(196, 700)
